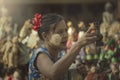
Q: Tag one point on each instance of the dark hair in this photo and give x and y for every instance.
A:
(49, 21)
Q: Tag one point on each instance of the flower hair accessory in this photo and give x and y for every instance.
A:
(37, 21)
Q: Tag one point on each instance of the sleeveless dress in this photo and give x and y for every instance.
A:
(34, 73)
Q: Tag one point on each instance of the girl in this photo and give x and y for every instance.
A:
(52, 31)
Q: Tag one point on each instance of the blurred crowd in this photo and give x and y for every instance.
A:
(96, 61)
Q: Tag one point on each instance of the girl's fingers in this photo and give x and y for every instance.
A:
(89, 29)
(94, 38)
(91, 34)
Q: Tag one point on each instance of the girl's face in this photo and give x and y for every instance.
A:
(59, 36)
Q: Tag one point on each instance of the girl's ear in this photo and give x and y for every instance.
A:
(45, 36)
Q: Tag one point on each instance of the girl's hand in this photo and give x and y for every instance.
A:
(88, 38)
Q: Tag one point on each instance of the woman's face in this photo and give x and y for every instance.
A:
(59, 36)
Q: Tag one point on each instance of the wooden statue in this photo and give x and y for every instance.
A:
(33, 44)
(13, 54)
(82, 29)
(6, 50)
(108, 16)
(25, 31)
(114, 29)
(6, 21)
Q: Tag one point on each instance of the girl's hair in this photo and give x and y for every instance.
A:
(49, 21)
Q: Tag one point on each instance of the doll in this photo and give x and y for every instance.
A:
(104, 30)
(91, 49)
(18, 54)
(3, 20)
(108, 16)
(72, 38)
(92, 75)
(14, 53)
(82, 28)
(8, 27)
(25, 31)
(114, 75)
(33, 44)
(17, 75)
(6, 21)
(70, 28)
(4, 16)
(111, 50)
(6, 50)
(114, 29)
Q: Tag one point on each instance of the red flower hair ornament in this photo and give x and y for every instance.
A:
(37, 21)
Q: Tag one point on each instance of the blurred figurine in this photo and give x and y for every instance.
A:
(5, 21)
(2, 33)
(2, 42)
(108, 16)
(2, 22)
(14, 53)
(18, 55)
(114, 75)
(110, 52)
(71, 35)
(92, 75)
(114, 29)
(25, 31)
(108, 19)
(6, 50)
(104, 30)
(4, 16)
(13, 50)
(82, 29)
(17, 75)
(8, 27)
(70, 28)
(91, 49)
(33, 44)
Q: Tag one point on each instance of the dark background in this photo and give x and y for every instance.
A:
(74, 10)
